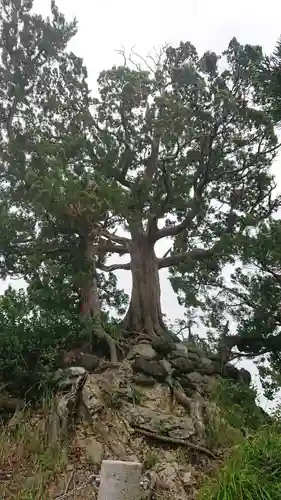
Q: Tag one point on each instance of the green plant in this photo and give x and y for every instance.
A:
(253, 472)
(150, 460)
(237, 403)
(137, 395)
(219, 433)
(27, 462)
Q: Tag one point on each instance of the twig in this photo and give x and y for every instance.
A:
(182, 442)
(69, 482)
(79, 488)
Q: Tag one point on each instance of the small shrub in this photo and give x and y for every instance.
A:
(150, 460)
(219, 434)
(237, 402)
(27, 463)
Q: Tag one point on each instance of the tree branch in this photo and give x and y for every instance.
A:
(114, 267)
(122, 240)
(104, 247)
(201, 179)
(197, 255)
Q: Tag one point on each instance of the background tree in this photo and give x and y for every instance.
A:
(191, 151)
(54, 202)
(249, 293)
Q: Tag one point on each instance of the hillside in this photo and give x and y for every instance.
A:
(174, 408)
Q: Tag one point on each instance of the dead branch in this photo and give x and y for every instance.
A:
(168, 439)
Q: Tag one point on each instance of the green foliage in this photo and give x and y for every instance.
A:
(172, 148)
(219, 433)
(253, 472)
(25, 444)
(151, 459)
(30, 342)
(237, 402)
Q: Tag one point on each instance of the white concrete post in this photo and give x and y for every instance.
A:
(119, 480)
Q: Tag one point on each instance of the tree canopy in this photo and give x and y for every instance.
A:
(178, 146)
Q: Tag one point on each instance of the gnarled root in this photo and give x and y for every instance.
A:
(167, 439)
(102, 334)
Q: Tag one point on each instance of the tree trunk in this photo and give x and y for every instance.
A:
(90, 303)
(144, 313)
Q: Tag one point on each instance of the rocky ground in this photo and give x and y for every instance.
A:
(156, 407)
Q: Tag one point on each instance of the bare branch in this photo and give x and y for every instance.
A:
(133, 53)
(114, 267)
(104, 247)
(197, 255)
(122, 240)
(167, 253)
(201, 179)
(122, 52)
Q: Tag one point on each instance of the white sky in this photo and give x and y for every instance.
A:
(108, 25)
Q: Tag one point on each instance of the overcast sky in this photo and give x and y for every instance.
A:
(107, 25)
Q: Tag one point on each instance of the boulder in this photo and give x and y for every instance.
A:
(183, 365)
(150, 367)
(195, 378)
(163, 346)
(93, 449)
(88, 361)
(146, 350)
(66, 377)
(180, 349)
(160, 422)
(144, 380)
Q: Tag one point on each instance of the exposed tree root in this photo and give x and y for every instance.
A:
(65, 410)
(182, 442)
(100, 333)
(194, 407)
(10, 404)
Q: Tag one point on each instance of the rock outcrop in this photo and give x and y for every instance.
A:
(154, 407)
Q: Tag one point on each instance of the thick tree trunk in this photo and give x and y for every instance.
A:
(144, 313)
(90, 303)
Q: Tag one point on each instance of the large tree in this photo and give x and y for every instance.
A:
(55, 204)
(191, 150)
(171, 148)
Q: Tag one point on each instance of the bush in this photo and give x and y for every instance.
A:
(237, 402)
(252, 473)
(30, 341)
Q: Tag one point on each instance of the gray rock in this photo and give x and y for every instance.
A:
(195, 378)
(208, 365)
(181, 349)
(144, 380)
(160, 422)
(167, 366)
(145, 350)
(94, 449)
(150, 367)
(163, 346)
(67, 377)
(88, 361)
(183, 365)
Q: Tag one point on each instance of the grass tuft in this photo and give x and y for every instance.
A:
(253, 472)
(28, 464)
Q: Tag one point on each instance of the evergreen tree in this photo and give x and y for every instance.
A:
(54, 202)
(191, 149)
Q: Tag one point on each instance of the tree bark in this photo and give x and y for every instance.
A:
(90, 303)
(144, 313)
